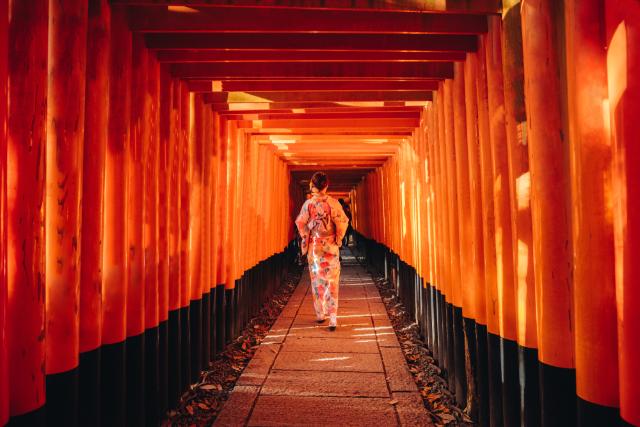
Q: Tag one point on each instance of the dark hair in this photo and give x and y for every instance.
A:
(320, 180)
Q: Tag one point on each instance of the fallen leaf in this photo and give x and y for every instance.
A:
(393, 402)
(208, 387)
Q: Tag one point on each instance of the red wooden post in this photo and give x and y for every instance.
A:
(4, 363)
(623, 68)
(96, 135)
(596, 343)
(28, 29)
(115, 247)
(550, 213)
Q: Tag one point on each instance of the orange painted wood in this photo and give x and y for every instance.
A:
(251, 41)
(452, 194)
(116, 193)
(136, 188)
(461, 169)
(311, 70)
(502, 297)
(519, 177)
(477, 6)
(487, 192)
(185, 191)
(65, 139)
(550, 185)
(593, 250)
(216, 196)
(165, 201)
(175, 198)
(150, 193)
(206, 199)
(195, 196)
(229, 19)
(623, 67)
(26, 134)
(444, 197)
(219, 55)
(96, 135)
(476, 284)
(312, 96)
(4, 362)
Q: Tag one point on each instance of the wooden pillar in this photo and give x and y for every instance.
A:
(96, 135)
(519, 187)
(135, 233)
(26, 135)
(150, 240)
(195, 232)
(593, 251)
(623, 68)
(206, 234)
(502, 296)
(4, 362)
(175, 338)
(115, 247)
(165, 169)
(65, 138)
(549, 180)
(185, 270)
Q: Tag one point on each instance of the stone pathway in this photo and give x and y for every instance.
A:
(302, 374)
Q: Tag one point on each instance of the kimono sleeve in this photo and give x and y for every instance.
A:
(302, 220)
(340, 220)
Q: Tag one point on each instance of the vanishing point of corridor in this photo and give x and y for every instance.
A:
(155, 153)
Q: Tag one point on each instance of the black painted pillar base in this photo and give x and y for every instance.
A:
(151, 388)
(37, 418)
(185, 348)
(558, 396)
(206, 329)
(495, 383)
(174, 358)
(221, 317)
(460, 370)
(594, 415)
(530, 385)
(135, 369)
(471, 346)
(230, 314)
(62, 398)
(213, 338)
(511, 383)
(450, 362)
(482, 382)
(113, 384)
(163, 367)
(195, 316)
(89, 388)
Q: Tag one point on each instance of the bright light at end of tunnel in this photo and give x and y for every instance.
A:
(375, 141)
(216, 86)
(523, 190)
(182, 9)
(416, 103)
(299, 111)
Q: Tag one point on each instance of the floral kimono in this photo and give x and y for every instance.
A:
(322, 224)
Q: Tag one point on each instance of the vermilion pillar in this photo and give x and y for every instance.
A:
(115, 242)
(461, 169)
(487, 391)
(549, 168)
(502, 295)
(623, 68)
(150, 240)
(26, 136)
(4, 363)
(135, 232)
(592, 216)
(96, 135)
(65, 139)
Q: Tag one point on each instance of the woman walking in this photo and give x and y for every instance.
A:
(322, 224)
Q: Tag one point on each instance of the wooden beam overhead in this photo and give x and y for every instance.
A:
(466, 6)
(225, 19)
(256, 107)
(436, 70)
(325, 96)
(344, 42)
(217, 55)
(310, 85)
(324, 123)
(336, 115)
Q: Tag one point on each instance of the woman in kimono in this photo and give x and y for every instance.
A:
(322, 224)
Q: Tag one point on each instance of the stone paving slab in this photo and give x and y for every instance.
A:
(312, 361)
(322, 411)
(303, 374)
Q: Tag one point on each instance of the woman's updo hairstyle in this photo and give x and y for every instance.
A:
(320, 180)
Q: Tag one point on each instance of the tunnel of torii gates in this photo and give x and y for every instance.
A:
(154, 154)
